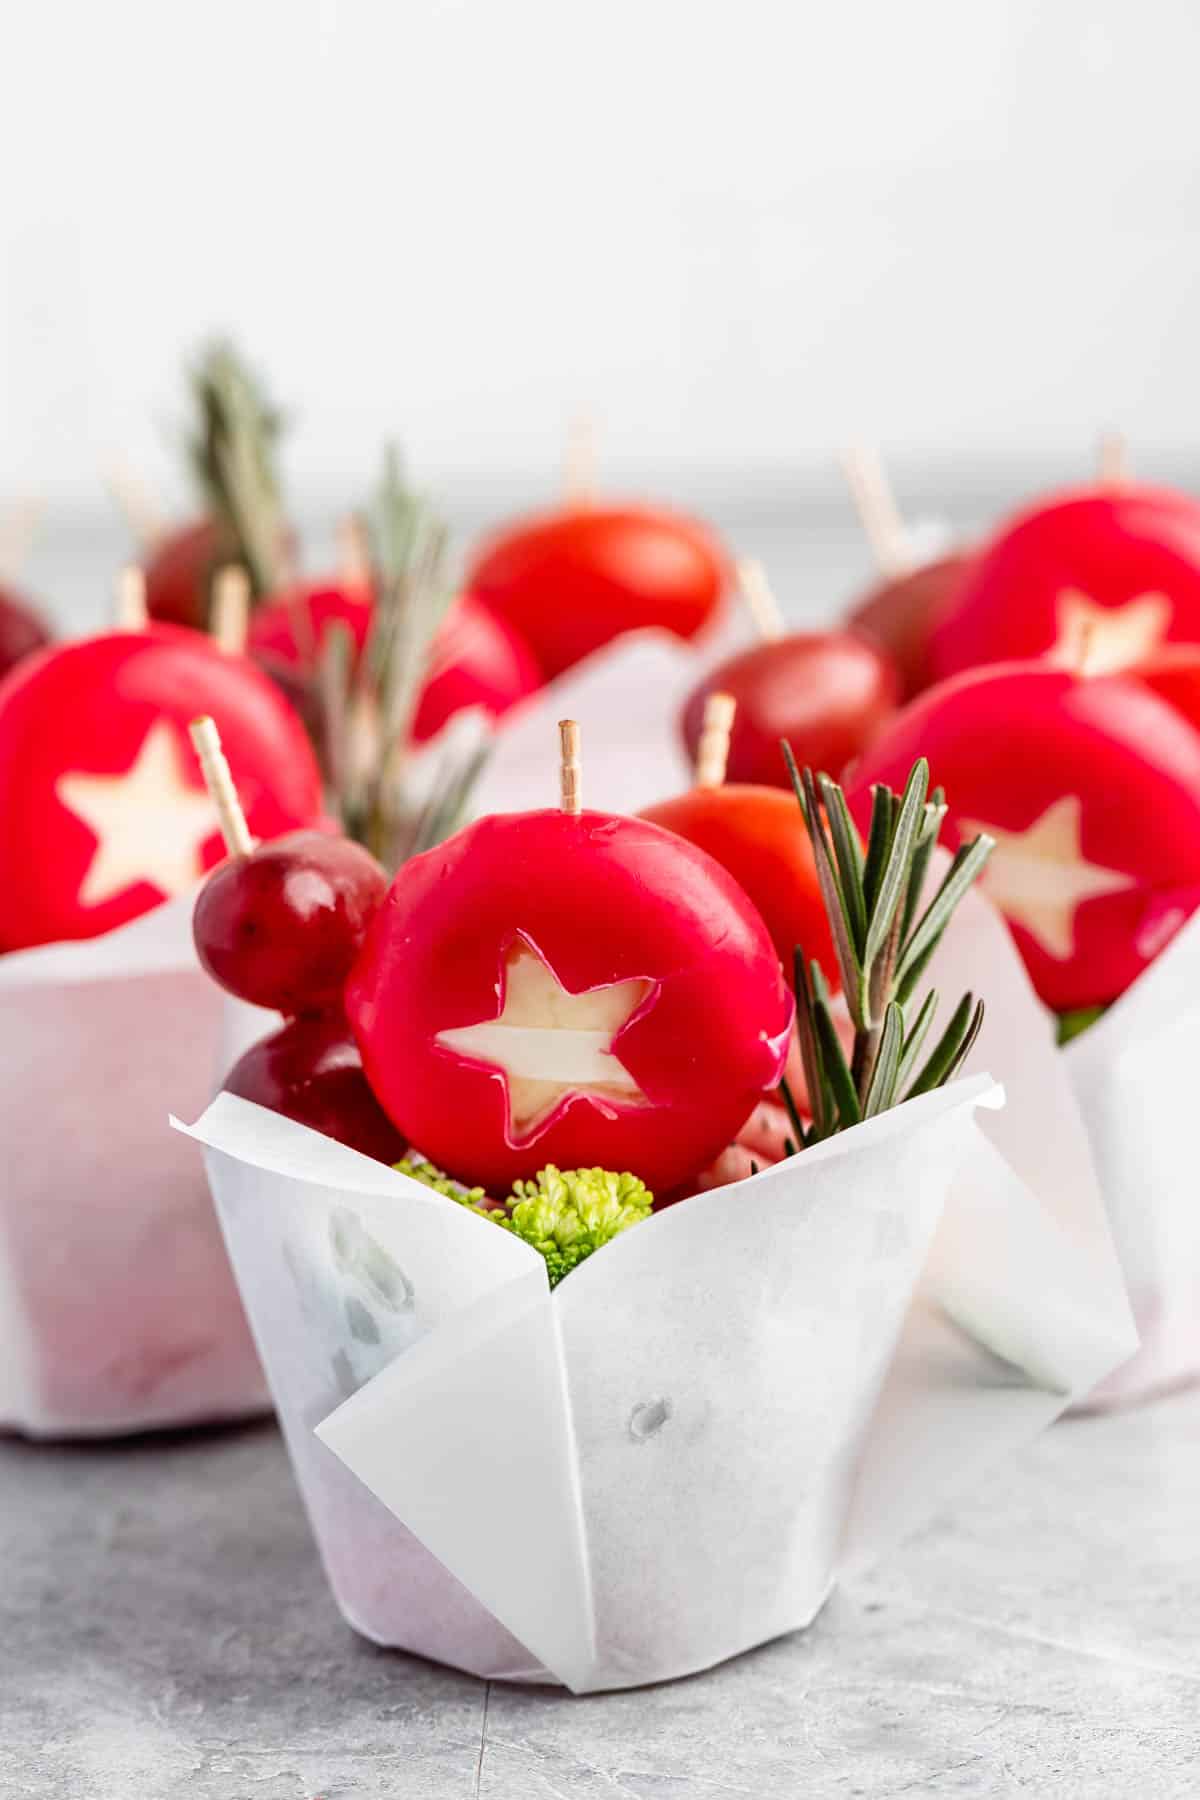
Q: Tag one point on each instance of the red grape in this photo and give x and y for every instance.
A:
(827, 692)
(901, 614)
(178, 569)
(282, 926)
(311, 1071)
(21, 631)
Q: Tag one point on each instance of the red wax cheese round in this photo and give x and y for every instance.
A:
(178, 569)
(475, 659)
(1091, 788)
(571, 581)
(21, 630)
(311, 1071)
(282, 927)
(291, 627)
(1117, 568)
(759, 835)
(901, 614)
(1174, 675)
(287, 634)
(827, 693)
(585, 990)
(104, 808)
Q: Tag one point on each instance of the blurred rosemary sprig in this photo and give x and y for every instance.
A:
(393, 799)
(232, 448)
(884, 942)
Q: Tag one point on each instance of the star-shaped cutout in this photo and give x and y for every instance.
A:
(149, 824)
(551, 1045)
(1038, 877)
(1100, 640)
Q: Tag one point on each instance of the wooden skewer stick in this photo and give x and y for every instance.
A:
(231, 609)
(131, 599)
(135, 503)
(1079, 650)
(206, 740)
(1089, 659)
(570, 772)
(877, 510)
(712, 752)
(1112, 459)
(580, 484)
(354, 551)
(334, 688)
(17, 530)
(286, 569)
(760, 599)
(303, 629)
(366, 745)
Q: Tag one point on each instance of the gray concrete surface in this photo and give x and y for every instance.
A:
(165, 1630)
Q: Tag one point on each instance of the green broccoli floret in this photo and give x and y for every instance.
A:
(564, 1215)
(430, 1177)
(567, 1215)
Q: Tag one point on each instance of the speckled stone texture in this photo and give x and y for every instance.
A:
(165, 1630)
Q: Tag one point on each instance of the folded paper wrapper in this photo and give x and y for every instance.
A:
(676, 1453)
(1133, 1075)
(118, 1312)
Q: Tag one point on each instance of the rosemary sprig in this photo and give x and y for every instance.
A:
(884, 940)
(358, 709)
(396, 800)
(232, 448)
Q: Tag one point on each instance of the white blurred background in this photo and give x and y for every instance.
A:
(737, 234)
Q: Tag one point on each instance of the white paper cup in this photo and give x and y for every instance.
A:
(1133, 1076)
(675, 1454)
(118, 1312)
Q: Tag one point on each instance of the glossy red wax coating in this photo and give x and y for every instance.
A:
(282, 927)
(476, 660)
(99, 708)
(311, 1071)
(826, 692)
(759, 835)
(603, 901)
(178, 569)
(901, 614)
(1098, 780)
(1174, 675)
(1115, 549)
(569, 582)
(22, 630)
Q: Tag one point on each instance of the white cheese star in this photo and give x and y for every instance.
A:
(149, 824)
(550, 1044)
(1038, 877)
(1100, 640)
